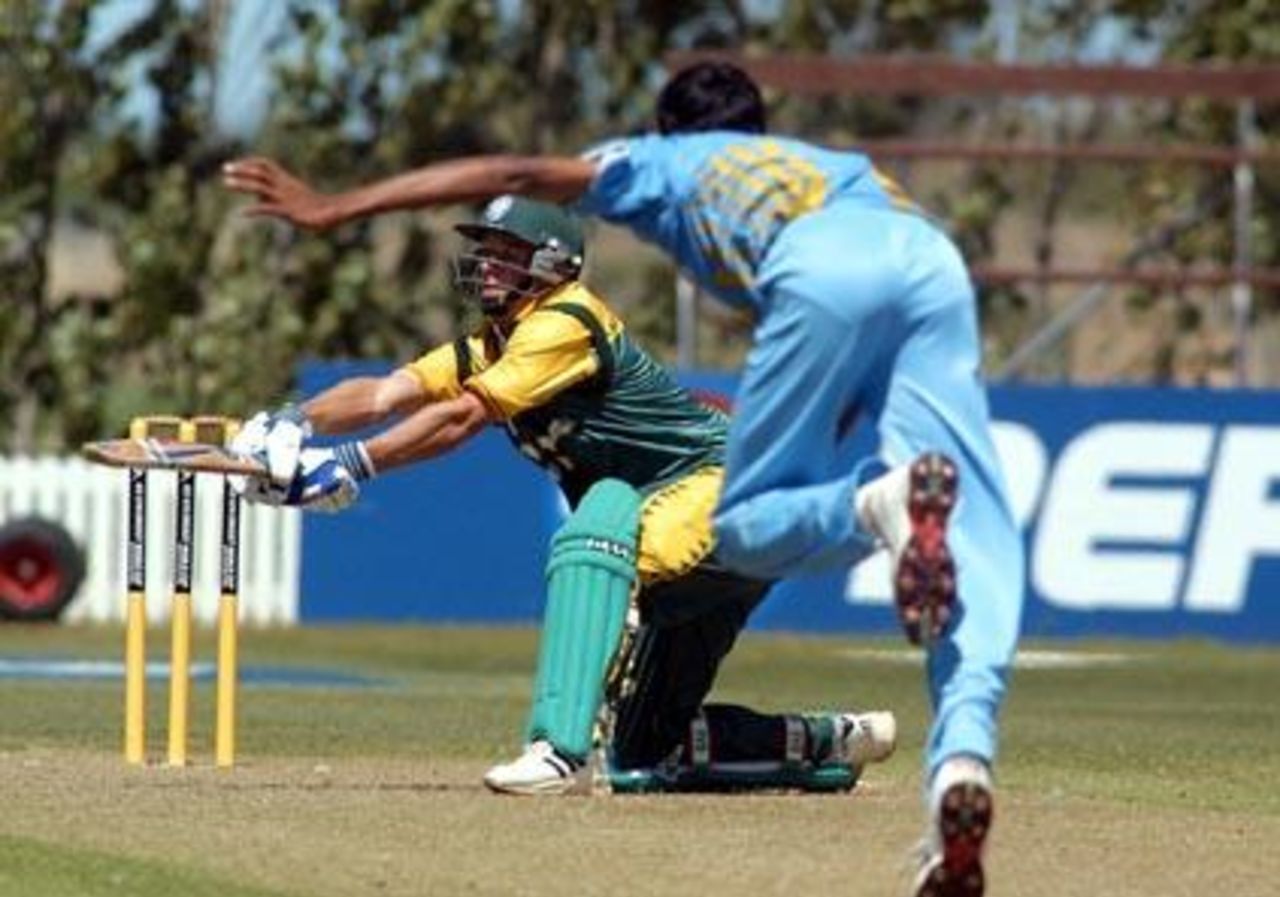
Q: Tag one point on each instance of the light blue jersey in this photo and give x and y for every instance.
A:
(865, 311)
(717, 201)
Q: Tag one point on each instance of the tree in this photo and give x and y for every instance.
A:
(76, 365)
(48, 92)
(213, 312)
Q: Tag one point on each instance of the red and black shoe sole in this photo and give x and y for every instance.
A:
(964, 819)
(925, 578)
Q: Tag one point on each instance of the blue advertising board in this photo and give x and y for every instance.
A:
(460, 538)
(1146, 512)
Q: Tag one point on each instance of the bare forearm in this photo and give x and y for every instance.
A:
(350, 405)
(472, 179)
(361, 401)
(429, 432)
(283, 195)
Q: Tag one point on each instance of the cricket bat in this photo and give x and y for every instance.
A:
(165, 454)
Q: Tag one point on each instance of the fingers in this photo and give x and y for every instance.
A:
(255, 175)
(279, 194)
(249, 183)
(259, 166)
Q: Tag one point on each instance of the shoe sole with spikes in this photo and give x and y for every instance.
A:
(925, 578)
(964, 819)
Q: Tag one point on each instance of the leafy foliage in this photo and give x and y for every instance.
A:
(207, 311)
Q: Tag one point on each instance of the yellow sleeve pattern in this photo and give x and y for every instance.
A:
(437, 372)
(547, 353)
(675, 526)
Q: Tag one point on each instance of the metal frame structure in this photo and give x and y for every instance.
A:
(1243, 85)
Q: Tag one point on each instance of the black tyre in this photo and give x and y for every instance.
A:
(41, 568)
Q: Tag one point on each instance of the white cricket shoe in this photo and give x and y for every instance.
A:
(907, 509)
(961, 806)
(863, 738)
(541, 769)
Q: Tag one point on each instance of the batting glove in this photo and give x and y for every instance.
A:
(275, 438)
(329, 479)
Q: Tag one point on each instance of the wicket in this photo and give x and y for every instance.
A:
(205, 429)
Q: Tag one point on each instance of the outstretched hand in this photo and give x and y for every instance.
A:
(279, 193)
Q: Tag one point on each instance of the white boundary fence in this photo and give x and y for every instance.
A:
(90, 501)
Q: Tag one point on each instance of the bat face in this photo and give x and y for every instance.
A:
(161, 454)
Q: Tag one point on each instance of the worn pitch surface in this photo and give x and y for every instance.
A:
(1152, 771)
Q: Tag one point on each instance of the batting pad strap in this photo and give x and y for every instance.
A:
(699, 742)
(797, 741)
(590, 577)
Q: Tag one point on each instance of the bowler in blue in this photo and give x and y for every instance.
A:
(864, 310)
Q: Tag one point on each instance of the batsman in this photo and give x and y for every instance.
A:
(639, 615)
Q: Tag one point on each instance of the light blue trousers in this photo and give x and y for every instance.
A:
(869, 315)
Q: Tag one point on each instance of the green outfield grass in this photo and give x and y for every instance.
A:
(1155, 771)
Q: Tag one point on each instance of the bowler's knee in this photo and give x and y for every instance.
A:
(737, 550)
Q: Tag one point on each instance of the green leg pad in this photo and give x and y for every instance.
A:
(731, 777)
(590, 575)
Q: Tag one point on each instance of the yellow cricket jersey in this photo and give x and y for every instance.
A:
(582, 400)
(543, 355)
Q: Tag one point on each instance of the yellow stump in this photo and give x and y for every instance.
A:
(135, 679)
(135, 634)
(179, 679)
(224, 733)
(224, 747)
(180, 624)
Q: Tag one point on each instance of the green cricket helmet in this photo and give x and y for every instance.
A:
(538, 246)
